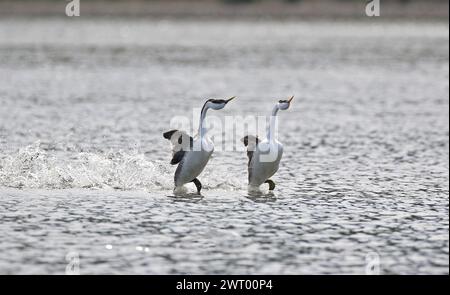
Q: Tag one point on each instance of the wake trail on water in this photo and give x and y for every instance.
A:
(33, 167)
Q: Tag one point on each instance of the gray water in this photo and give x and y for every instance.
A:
(84, 169)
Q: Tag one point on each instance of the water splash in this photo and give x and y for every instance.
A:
(34, 167)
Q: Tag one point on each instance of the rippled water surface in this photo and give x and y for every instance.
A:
(84, 169)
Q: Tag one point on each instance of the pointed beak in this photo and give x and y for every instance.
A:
(290, 99)
(230, 99)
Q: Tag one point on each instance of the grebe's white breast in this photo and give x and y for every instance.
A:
(194, 162)
(265, 161)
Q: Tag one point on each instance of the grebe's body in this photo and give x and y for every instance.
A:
(264, 156)
(192, 155)
(259, 170)
(194, 161)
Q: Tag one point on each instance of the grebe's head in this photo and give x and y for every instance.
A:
(285, 104)
(218, 104)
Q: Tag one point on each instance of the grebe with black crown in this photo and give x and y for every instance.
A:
(264, 156)
(192, 154)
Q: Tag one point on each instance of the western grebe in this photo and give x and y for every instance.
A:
(264, 156)
(192, 154)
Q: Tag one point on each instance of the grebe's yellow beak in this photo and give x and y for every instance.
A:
(230, 99)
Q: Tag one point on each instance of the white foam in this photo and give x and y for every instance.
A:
(33, 167)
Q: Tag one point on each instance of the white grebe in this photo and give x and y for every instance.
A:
(191, 154)
(264, 156)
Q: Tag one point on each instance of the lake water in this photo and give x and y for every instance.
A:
(84, 170)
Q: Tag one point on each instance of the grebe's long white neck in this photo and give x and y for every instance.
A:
(215, 104)
(201, 127)
(273, 124)
(273, 127)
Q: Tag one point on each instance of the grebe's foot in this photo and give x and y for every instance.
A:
(198, 184)
(271, 184)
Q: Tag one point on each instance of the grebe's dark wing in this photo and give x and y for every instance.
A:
(181, 143)
(251, 142)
